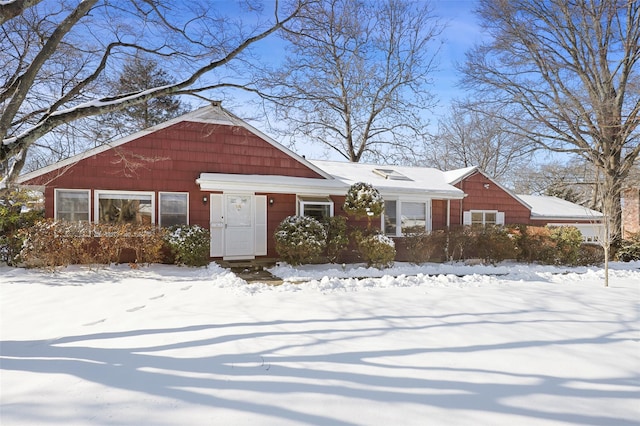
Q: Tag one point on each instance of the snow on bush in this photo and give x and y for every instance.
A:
(363, 201)
(189, 244)
(300, 239)
(377, 250)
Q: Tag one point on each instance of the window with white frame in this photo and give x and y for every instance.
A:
(414, 216)
(483, 217)
(173, 208)
(400, 216)
(316, 207)
(125, 207)
(71, 204)
(390, 222)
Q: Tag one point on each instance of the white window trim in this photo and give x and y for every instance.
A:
(160, 193)
(427, 215)
(98, 192)
(302, 202)
(55, 200)
(500, 218)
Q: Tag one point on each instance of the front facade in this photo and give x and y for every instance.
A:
(211, 169)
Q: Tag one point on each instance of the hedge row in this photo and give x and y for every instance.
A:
(303, 239)
(49, 244)
(547, 245)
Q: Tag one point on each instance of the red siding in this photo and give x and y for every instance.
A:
(484, 194)
(172, 159)
(439, 214)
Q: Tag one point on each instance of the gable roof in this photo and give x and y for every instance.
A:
(210, 114)
(418, 181)
(547, 207)
(455, 176)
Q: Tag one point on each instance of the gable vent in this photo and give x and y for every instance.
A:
(390, 174)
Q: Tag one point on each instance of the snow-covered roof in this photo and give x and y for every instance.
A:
(455, 176)
(547, 207)
(419, 181)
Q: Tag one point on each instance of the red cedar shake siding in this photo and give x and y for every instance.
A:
(171, 159)
(484, 194)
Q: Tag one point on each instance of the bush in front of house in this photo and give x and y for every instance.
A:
(590, 254)
(377, 250)
(189, 244)
(493, 244)
(630, 248)
(300, 239)
(568, 240)
(534, 244)
(12, 220)
(49, 244)
(337, 237)
(422, 245)
(363, 201)
(459, 242)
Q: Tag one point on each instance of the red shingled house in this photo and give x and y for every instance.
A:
(212, 169)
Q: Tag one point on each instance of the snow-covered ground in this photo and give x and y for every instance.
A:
(429, 345)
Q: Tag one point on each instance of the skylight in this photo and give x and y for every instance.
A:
(390, 174)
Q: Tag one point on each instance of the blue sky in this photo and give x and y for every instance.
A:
(460, 34)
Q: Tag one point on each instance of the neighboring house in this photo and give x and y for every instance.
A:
(210, 168)
(630, 211)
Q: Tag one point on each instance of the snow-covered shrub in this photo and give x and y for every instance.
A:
(337, 238)
(363, 201)
(189, 244)
(300, 239)
(377, 250)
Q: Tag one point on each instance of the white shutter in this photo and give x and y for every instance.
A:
(500, 218)
(216, 225)
(261, 225)
(466, 218)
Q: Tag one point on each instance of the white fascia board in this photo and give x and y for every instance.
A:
(581, 219)
(309, 186)
(420, 194)
(270, 184)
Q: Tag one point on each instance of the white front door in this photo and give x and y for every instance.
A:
(238, 225)
(239, 232)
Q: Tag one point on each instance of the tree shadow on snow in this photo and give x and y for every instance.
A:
(303, 357)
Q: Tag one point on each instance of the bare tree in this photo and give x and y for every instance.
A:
(575, 180)
(568, 70)
(54, 56)
(472, 137)
(356, 76)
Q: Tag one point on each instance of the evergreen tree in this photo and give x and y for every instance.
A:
(138, 74)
